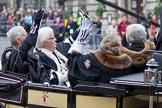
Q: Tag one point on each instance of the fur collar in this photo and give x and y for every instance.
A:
(113, 62)
(141, 56)
(126, 58)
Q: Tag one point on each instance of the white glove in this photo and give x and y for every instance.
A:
(62, 76)
(87, 30)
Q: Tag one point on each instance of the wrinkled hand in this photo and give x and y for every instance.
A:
(149, 45)
(37, 20)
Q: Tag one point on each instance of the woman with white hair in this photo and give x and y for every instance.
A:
(52, 56)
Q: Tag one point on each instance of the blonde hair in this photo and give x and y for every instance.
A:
(111, 44)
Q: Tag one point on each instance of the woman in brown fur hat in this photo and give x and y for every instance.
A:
(111, 60)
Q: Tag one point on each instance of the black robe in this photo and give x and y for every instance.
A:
(14, 59)
(137, 47)
(100, 66)
(41, 65)
(90, 68)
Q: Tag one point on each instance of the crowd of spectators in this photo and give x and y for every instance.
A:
(12, 17)
(54, 18)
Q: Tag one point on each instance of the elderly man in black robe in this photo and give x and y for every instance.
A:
(14, 57)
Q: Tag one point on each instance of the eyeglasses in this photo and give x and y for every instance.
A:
(51, 38)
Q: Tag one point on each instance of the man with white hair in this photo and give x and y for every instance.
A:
(136, 36)
(14, 56)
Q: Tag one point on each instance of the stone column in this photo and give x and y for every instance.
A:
(112, 11)
(47, 3)
(12, 3)
(122, 4)
(131, 18)
(75, 7)
(52, 4)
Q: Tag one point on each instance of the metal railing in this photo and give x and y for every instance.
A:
(4, 27)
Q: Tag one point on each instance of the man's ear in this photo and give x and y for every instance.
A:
(18, 41)
(144, 40)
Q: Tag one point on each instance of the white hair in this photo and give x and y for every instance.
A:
(15, 32)
(43, 36)
(135, 33)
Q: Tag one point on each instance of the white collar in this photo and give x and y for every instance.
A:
(46, 50)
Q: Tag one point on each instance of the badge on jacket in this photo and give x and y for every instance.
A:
(8, 54)
(87, 63)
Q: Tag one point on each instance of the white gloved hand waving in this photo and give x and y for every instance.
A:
(86, 31)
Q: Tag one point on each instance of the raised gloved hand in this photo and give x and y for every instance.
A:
(32, 36)
(86, 31)
(84, 18)
(37, 18)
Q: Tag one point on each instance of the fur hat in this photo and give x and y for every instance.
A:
(111, 44)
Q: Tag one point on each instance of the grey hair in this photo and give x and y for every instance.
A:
(43, 36)
(135, 33)
(13, 33)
